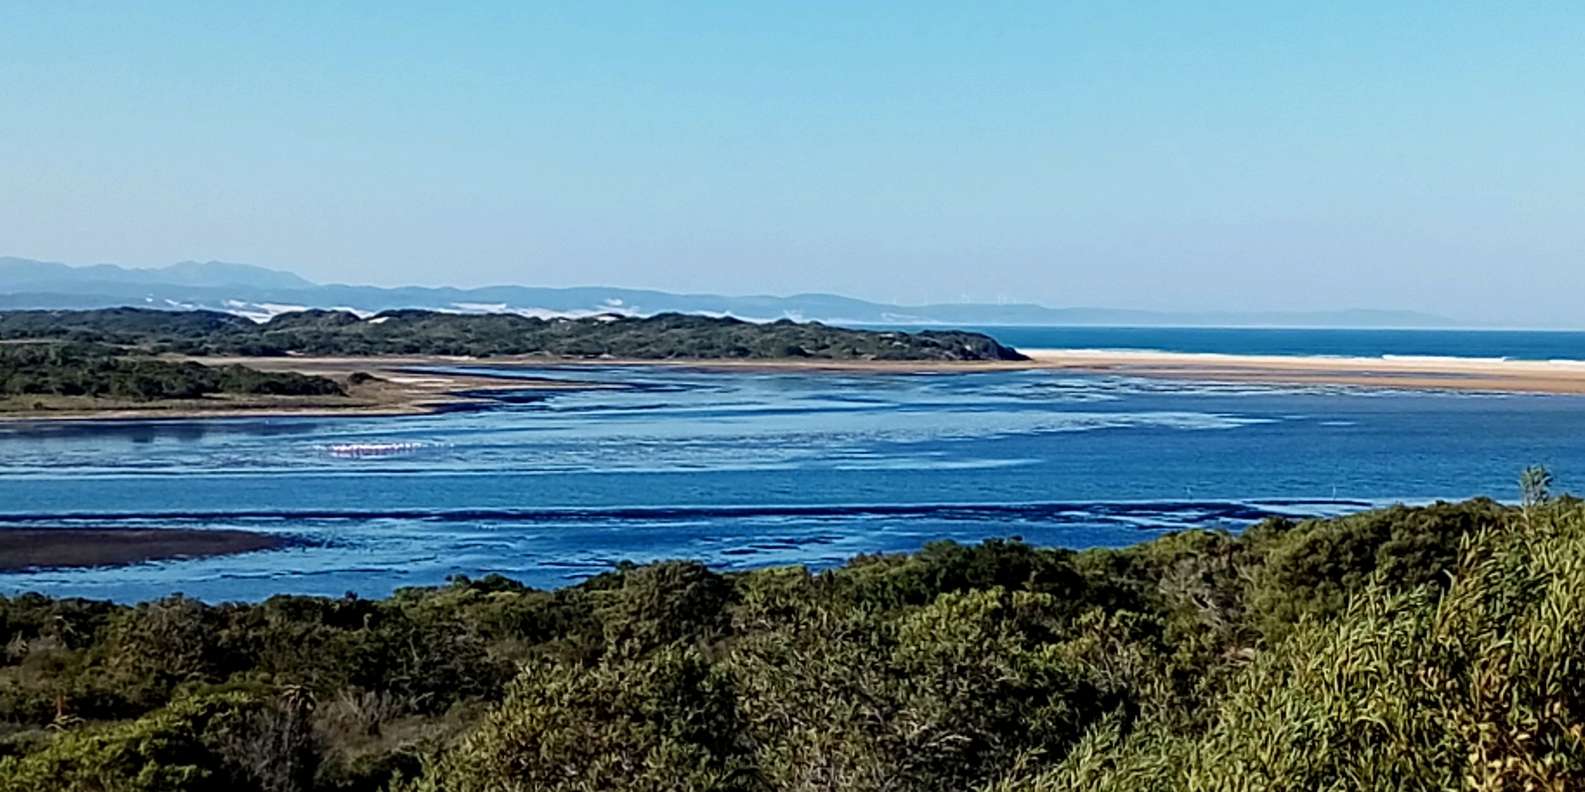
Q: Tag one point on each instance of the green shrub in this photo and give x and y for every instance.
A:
(1312, 568)
(666, 722)
(218, 744)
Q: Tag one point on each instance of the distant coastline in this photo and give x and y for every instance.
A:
(261, 293)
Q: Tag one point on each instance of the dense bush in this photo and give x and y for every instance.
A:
(1470, 682)
(1312, 568)
(1410, 648)
(665, 721)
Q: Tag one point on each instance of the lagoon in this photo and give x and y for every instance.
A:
(744, 469)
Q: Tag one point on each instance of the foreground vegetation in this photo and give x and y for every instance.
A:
(1411, 648)
(413, 332)
(101, 372)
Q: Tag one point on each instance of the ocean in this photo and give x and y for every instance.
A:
(747, 469)
(1480, 344)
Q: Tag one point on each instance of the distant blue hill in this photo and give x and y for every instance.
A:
(259, 292)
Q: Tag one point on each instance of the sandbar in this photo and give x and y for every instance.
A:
(47, 548)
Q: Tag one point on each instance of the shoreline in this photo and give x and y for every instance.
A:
(403, 390)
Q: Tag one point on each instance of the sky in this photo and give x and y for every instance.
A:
(1191, 156)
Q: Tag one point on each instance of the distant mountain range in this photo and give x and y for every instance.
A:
(259, 293)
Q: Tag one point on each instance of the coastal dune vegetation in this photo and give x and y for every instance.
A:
(97, 371)
(145, 360)
(1420, 648)
(420, 332)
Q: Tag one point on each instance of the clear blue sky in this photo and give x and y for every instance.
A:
(1156, 155)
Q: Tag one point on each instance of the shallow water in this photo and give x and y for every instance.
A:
(750, 469)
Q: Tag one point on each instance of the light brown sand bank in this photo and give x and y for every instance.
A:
(1463, 374)
(397, 390)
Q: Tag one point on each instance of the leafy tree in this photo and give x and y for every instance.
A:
(660, 604)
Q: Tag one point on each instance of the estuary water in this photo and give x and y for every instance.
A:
(746, 469)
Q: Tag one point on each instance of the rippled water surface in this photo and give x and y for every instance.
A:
(748, 469)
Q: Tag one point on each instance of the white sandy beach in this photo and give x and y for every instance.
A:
(1468, 374)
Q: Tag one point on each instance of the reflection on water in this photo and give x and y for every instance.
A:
(743, 469)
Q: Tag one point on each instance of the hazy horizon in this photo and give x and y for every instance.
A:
(1416, 158)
